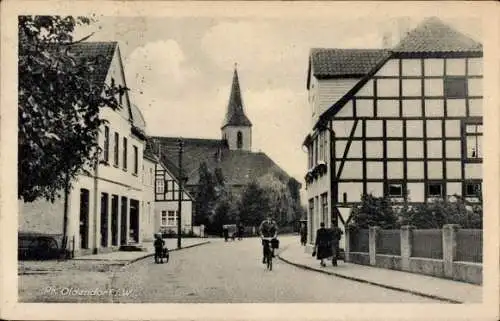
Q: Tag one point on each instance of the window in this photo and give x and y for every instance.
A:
(106, 143)
(321, 147)
(172, 218)
(473, 136)
(310, 156)
(163, 218)
(117, 148)
(136, 160)
(160, 186)
(472, 189)
(434, 190)
(239, 139)
(324, 207)
(395, 189)
(455, 87)
(125, 153)
(316, 147)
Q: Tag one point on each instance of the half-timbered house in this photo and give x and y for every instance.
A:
(404, 122)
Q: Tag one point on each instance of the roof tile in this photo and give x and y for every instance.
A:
(345, 62)
(432, 35)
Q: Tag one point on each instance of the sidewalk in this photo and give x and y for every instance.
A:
(431, 287)
(125, 257)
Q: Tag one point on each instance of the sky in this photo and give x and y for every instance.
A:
(180, 70)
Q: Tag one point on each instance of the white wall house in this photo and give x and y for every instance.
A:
(404, 122)
(111, 207)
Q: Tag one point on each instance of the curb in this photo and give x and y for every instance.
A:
(425, 295)
(173, 250)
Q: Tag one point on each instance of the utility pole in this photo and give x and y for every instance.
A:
(181, 178)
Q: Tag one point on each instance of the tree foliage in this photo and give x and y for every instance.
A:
(444, 211)
(254, 205)
(381, 211)
(58, 107)
(374, 211)
(206, 195)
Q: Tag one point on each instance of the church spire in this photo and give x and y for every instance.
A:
(235, 115)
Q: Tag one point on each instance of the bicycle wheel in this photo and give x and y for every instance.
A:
(270, 262)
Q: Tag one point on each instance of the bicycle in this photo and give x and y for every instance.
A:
(268, 251)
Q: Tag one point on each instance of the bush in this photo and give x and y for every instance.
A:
(381, 211)
(374, 211)
(453, 210)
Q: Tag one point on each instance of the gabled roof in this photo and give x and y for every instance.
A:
(238, 167)
(343, 63)
(101, 54)
(235, 115)
(102, 51)
(195, 151)
(138, 117)
(432, 35)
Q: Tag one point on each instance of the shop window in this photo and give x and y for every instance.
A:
(455, 87)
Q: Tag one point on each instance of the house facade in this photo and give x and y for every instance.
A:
(110, 206)
(404, 122)
(166, 196)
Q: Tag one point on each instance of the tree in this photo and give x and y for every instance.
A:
(374, 211)
(253, 205)
(206, 195)
(58, 108)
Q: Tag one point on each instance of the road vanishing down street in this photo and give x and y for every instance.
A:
(233, 272)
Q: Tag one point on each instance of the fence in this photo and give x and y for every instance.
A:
(469, 245)
(389, 242)
(450, 252)
(360, 242)
(427, 244)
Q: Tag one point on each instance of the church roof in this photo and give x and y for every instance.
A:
(432, 35)
(235, 115)
(238, 167)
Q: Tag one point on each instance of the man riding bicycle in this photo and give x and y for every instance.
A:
(268, 229)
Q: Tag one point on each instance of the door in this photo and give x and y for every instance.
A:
(114, 220)
(84, 219)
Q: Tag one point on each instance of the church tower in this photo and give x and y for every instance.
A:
(236, 128)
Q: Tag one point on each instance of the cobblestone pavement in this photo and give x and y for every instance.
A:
(233, 272)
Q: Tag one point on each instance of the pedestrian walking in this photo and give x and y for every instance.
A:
(303, 234)
(323, 244)
(241, 229)
(336, 233)
(158, 244)
(225, 232)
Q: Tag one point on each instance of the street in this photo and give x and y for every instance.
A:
(233, 272)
